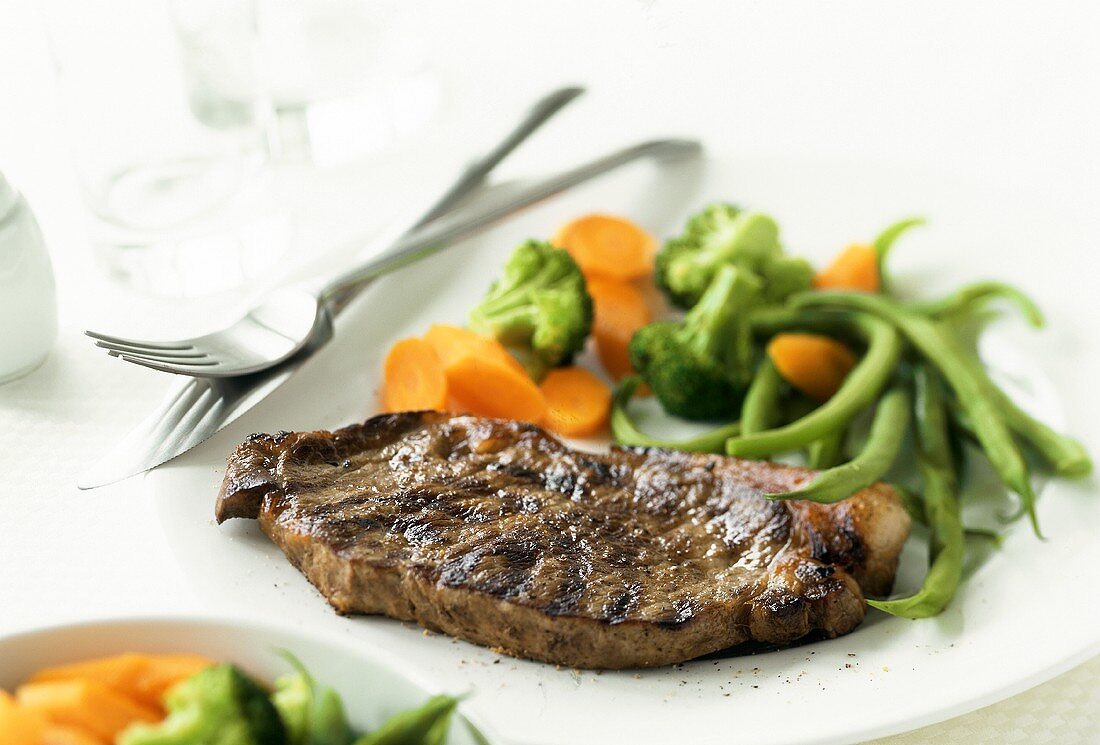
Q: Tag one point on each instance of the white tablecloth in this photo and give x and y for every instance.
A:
(1008, 89)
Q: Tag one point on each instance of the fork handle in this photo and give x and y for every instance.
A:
(446, 231)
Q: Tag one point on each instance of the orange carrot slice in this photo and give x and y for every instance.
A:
(60, 734)
(620, 310)
(578, 403)
(453, 342)
(413, 377)
(141, 677)
(608, 246)
(856, 268)
(815, 365)
(84, 704)
(18, 725)
(162, 672)
(488, 387)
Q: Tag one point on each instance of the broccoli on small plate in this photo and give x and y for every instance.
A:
(219, 706)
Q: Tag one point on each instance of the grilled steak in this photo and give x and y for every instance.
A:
(494, 532)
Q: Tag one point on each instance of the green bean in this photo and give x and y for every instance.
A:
(872, 463)
(828, 451)
(760, 408)
(424, 725)
(914, 505)
(625, 432)
(859, 389)
(885, 242)
(969, 298)
(941, 505)
(944, 352)
(1066, 456)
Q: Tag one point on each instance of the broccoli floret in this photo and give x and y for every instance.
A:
(218, 706)
(723, 234)
(699, 367)
(540, 307)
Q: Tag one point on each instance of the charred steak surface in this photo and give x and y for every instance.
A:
(494, 532)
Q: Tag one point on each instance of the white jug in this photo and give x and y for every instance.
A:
(28, 299)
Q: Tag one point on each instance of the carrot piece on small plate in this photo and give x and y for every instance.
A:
(60, 734)
(19, 725)
(84, 704)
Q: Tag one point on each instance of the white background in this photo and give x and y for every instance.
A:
(1007, 90)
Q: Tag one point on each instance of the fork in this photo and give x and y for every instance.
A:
(287, 319)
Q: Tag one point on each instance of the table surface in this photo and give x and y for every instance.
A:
(1011, 94)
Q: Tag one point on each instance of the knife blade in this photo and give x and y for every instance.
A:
(197, 408)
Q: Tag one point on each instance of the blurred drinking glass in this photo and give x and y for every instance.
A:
(349, 78)
(170, 128)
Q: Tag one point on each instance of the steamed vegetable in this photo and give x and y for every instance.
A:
(577, 402)
(452, 343)
(812, 363)
(19, 725)
(626, 432)
(620, 310)
(85, 704)
(488, 388)
(218, 706)
(425, 725)
(884, 243)
(608, 246)
(413, 377)
(856, 268)
(940, 506)
(141, 677)
(872, 463)
(761, 407)
(970, 383)
(699, 367)
(539, 306)
(722, 235)
(860, 389)
(312, 713)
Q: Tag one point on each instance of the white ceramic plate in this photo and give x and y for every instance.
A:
(371, 683)
(1024, 615)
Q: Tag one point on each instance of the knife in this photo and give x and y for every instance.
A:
(197, 408)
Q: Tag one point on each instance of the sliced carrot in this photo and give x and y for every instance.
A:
(815, 365)
(856, 268)
(578, 403)
(620, 310)
(488, 387)
(59, 734)
(453, 342)
(19, 725)
(162, 672)
(608, 246)
(413, 377)
(141, 677)
(84, 704)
